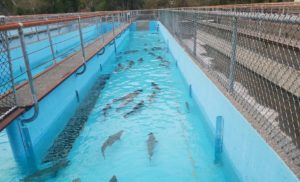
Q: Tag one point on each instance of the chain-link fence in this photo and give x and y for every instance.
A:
(279, 8)
(139, 15)
(7, 89)
(254, 58)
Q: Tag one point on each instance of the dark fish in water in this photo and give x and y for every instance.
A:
(76, 180)
(128, 100)
(140, 60)
(106, 109)
(156, 48)
(130, 64)
(136, 108)
(53, 169)
(124, 103)
(113, 179)
(130, 51)
(111, 140)
(151, 144)
(119, 67)
(159, 57)
(133, 94)
(145, 49)
(151, 53)
(164, 63)
(155, 86)
(178, 110)
(152, 96)
(187, 106)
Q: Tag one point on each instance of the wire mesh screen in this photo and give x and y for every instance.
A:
(254, 59)
(7, 99)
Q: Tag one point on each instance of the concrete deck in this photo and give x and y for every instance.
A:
(286, 77)
(292, 42)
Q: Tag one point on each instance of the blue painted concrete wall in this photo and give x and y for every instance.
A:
(57, 108)
(252, 158)
(133, 26)
(153, 26)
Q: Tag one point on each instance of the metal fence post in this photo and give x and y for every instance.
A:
(29, 74)
(233, 54)
(113, 24)
(100, 29)
(105, 21)
(81, 40)
(195, 34)
(37, 33)
(97, 22)
(51, 44)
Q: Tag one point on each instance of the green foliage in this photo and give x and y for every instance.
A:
(9, 7)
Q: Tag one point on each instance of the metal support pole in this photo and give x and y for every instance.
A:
(36, 33)
(82, 48)
(233, 54)
(113, 23)
(219, 139)
(51, 44)
(180, 27)
(81, 40)
(29, 74)
(105, 24)
(195, 34)
(100, 26)
(97, 22)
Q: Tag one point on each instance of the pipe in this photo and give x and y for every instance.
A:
(82, 48)
(11, 26)
(101, 52)
(81, 72)
(29, 75)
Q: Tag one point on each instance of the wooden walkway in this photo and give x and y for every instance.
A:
(49, 79)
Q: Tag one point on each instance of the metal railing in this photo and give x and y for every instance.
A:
(254, 58)
(29, 48)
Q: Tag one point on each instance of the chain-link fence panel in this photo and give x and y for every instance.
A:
(254, 59)
(7, 89)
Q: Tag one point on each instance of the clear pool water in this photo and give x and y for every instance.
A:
(184, 150)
